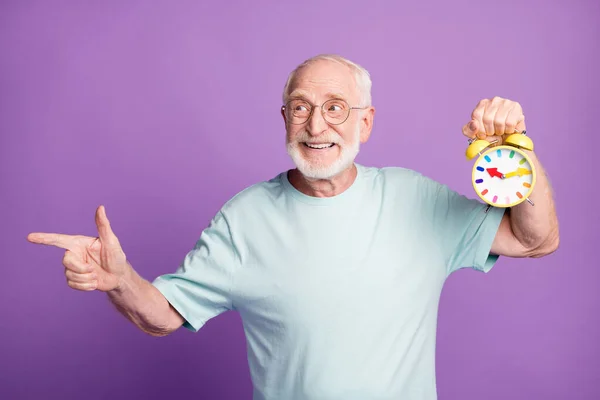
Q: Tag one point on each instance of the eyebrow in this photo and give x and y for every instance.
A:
(301, 94)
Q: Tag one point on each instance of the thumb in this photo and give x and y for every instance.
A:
(470, 129)
(104, 230)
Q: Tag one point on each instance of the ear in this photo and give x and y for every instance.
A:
(366, 124)
(283, 114)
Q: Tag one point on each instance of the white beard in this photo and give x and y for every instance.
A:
(313, 170)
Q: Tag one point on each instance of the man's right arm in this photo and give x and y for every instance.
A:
(144, 305)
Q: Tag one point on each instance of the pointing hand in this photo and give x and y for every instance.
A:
(90, 263)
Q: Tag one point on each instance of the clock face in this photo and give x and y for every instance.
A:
(503, 176)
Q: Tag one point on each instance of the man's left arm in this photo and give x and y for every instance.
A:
(525, 230)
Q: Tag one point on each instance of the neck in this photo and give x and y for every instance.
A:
(323, 187)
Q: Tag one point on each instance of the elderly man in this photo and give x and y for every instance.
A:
(335, 268)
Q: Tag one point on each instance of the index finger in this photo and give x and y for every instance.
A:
(66, 242)
(477, 115)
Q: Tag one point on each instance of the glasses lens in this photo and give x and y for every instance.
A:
(298, 111)
(336, 111)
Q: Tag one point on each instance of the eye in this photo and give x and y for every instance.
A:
(299, 106)
(335, 106)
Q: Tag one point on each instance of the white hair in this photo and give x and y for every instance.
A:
(361, 76)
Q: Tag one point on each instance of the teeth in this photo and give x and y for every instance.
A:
(319, 146)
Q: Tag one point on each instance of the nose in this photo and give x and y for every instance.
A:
(316, 124)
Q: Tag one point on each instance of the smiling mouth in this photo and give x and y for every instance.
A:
(318, 146)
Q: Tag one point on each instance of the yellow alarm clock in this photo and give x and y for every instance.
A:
(503, 176)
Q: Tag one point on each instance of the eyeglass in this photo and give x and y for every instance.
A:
(334, 111)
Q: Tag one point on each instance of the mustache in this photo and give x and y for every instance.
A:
(304, 136)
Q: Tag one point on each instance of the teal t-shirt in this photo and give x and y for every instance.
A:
(338, 296)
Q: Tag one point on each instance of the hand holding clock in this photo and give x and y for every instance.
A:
(495, 119)
(501, 122)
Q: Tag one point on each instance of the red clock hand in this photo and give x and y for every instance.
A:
(494, 172)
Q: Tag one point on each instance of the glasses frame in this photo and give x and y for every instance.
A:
(312, 108)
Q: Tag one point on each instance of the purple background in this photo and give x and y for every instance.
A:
(162, 111)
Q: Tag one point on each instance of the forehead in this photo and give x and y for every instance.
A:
(324, 79)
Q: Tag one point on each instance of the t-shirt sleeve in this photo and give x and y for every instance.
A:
(463, 228)
(200, 288)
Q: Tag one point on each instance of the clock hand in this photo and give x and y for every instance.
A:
(519, 172)
(494, 172)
